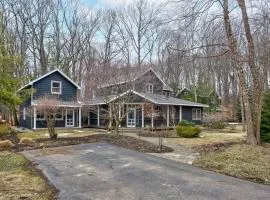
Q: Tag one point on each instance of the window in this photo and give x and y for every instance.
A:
(196, 114)
(114, 90)
(56, 87)
(59, 115)
(167, 93)
(149, 88)
(40, 116)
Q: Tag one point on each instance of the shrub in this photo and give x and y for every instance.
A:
(27, 142)
(188, 131)
(6, 144)
(186, 123)
(266, 137)
(3, 129)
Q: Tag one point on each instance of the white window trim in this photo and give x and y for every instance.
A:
(60, 83)
(73, 118)
(197, 116)
(150, 88)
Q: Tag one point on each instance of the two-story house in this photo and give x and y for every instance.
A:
(55, 84)
(134, 97)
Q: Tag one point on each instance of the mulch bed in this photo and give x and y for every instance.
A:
(122, 141)
(217, 146)
(12, 136)
(164, 134)
(136, 144)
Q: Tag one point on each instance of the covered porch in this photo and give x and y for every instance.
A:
(133, 115)
(140, 110)
(68, 116)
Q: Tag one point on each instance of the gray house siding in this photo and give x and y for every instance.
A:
(137, 85)
(43, 87)
(58, 123)
(149, 77)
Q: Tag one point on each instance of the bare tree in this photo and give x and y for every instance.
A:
(49, 108)
(252, 97)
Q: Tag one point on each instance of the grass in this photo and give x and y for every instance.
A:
(62, 133)
(242, 161)
(18, 180)
(208, 137)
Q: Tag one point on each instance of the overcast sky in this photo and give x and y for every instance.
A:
(111, 3)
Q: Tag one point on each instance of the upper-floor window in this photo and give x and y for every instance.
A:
(166, 93)
(56, 87)
(149, 88)
(114, 91)
(196, 114)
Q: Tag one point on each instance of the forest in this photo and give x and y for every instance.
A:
(220, 45)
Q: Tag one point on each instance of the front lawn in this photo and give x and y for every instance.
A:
(242, 161)
(19, 180)
(62, 133)
(209, 137)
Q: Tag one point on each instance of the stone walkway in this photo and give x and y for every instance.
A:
(180, 153)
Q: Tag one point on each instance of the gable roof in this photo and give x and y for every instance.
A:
(154, 98)
(136, 75)
(47, 74)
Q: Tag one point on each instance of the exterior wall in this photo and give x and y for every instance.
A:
(115, 89)
(138, 85)
(149, 77)
(27, 123)
(187, 114)
(60, 123)
(43, 87)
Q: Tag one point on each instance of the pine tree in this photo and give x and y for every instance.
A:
(265, 120)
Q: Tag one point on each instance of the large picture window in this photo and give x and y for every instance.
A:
(196, 114)
(56, 87)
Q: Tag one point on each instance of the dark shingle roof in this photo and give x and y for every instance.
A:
(155, 98)
(163, 100)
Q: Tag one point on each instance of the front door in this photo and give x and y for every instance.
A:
(69, 118)
(131, 117)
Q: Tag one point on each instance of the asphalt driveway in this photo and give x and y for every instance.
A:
(105, 172)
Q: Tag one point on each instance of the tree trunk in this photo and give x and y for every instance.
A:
(252, 107)
(16, 121)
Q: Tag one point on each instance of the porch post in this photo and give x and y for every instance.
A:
(35, 118)
(80, 117)
(168, 115)
(110, 116)
(98, 120)
(180, 113)
(119, 115)
(142, 116)
(152, 117)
